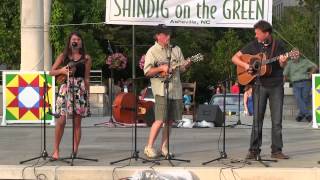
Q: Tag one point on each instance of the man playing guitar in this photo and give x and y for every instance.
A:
(270, 87)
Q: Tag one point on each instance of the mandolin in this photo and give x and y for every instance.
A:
(61, 78)
(174, 64)
(260, 65)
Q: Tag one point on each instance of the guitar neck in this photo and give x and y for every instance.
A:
(271, 60)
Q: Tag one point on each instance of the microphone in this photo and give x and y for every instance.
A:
(267, 42)
(74, 45)
(109, 47)
(172, 45)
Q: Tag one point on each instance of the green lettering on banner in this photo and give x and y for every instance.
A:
(126, 8)
(213, 11)
(205, 11)
(250, 9)
(119, 8)
(134, 8)
(232, 9)
(166, 14)
(236, 7)
(186, 11)
(157, 9)
(225, 10)
(198, 10)
(260, 9)
(182, 11)
(141, 8)
(150, 11)
(179, 11)
(243, 12)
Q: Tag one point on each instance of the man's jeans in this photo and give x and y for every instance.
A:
(302, 92)
(275, 96)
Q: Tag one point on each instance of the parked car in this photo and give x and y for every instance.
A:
(232, 102)
(148, 95)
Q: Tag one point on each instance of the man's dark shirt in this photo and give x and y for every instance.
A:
(276, 77)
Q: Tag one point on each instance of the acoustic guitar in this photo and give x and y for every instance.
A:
(61, 78)
(259, 64)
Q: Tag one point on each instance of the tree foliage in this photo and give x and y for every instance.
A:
(299, 27)
(10, 33)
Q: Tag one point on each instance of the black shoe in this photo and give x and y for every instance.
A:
(299, 118)
(279, 155)
(251, 155)
(309, 118)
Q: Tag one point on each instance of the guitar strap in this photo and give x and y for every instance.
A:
(273, 47)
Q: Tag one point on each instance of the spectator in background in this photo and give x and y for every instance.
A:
(299, 72)
(187, 100)
(235, 89)
(116, 89)
(248, 100)
(220, 89)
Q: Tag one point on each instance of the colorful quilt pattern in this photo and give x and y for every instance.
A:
(23, 96)
(316, 100)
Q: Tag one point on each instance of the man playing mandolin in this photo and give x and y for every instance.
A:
(268, 87)
(156, 67)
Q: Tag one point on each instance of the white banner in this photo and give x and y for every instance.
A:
(202, 13)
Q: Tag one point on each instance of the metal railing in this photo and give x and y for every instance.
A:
(96, 77)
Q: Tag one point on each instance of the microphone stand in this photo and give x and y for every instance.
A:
(44, 154)
(223, 154)
(73, 155)
(135, 154)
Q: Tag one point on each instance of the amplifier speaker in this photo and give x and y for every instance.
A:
(210, 113)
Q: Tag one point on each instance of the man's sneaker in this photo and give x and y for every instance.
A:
(150, 152)
(279, 155)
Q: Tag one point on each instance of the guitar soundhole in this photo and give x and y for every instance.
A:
(255, 64)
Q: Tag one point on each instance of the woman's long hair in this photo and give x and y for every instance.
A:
(68, 50)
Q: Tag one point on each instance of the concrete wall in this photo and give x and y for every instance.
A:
(98, 101)
(290, 108)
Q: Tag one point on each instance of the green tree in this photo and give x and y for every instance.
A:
(10, 33)
(296, 28)
(226, 47)
(299, 26)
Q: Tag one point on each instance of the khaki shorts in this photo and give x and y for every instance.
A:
(175, 108)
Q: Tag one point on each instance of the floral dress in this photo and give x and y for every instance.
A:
(73, 92)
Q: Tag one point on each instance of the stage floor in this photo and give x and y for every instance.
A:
(301, 143)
